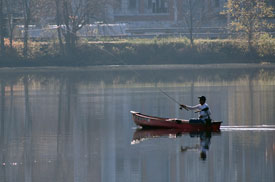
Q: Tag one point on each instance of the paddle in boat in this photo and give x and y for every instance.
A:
(146, 121)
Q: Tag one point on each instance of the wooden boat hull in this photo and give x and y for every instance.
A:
(146, 121)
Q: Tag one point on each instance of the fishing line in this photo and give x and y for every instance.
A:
(119, 59)
(139, 75)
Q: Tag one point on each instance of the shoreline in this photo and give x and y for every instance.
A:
(137, 67)
(168, 51)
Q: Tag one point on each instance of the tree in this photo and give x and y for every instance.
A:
(2, 25)
(12, 8)
(27, 4)
(75, 15)
(32, 13)
(194, 14)
(249, 17)
(58, 23)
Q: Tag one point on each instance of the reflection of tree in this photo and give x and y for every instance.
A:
(251, 101)
(28, 119)
(28, 133)
(59, 125)
(64, 106)
(63, 143)
(11, 109)
(81, 141)
(67, 105)
(3, 103)
(2, 137)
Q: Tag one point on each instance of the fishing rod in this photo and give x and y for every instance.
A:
(171, 98)
(138, 74)
(123, 62)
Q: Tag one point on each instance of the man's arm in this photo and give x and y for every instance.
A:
(196, 107)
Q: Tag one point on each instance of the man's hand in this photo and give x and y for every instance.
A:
(184, 107)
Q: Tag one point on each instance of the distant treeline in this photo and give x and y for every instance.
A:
(249, 22)
(142, 51)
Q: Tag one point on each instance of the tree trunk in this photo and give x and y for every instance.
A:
(58, 23)
(11, 39)
(67, 36)
(10, 22)
(250, 41)
(2, 25)
(26, 37)
(250, 37)
(27, 14)
(67, 32)
(11, 29)
(191, 23)
(191, 35)
(73, 38)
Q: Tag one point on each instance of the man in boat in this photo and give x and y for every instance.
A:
(202, 108)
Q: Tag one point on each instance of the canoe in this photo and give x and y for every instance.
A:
(146, 121)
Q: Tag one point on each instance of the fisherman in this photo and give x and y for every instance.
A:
(202, 108)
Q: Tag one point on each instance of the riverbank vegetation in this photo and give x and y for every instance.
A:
(248, 33)
(172, 50)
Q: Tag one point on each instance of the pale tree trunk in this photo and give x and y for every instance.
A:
(11, 29)
(58, 23)
(2, 26)
(191, 23)
(73, 37)
(11, 24)
(67, 31)
(250, 37)
(27, 16)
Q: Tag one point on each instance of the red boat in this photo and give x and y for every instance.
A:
(146, 121)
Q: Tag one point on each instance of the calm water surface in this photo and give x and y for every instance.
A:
(74, 125)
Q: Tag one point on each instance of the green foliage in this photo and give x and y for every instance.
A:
(144, 51)
(265, 45)
(249, 17)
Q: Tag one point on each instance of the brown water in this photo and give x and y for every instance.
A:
(74, 125)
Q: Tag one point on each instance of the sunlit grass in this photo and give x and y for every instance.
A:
(158, 50)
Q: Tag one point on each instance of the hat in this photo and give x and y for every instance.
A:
(202, 98)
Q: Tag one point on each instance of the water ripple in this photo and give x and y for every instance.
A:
(249, 128)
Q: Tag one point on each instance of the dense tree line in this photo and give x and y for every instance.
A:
(248, 18)
(69, 15)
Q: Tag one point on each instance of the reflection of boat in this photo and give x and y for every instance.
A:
(156, 122)
(204, 136)
(142, 134)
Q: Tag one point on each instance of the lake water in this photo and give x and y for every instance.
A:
(74, 125)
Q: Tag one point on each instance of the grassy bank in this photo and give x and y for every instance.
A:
(142, 51)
